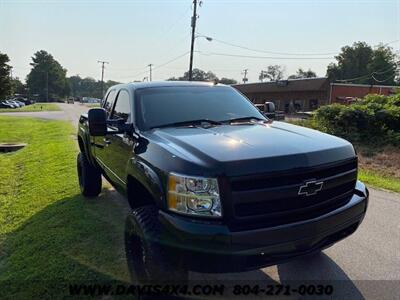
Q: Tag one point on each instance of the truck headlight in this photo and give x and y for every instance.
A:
(194, 195)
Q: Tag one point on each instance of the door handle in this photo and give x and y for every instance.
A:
(106, 141)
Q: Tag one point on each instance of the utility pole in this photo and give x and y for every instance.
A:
(194, 19)
(102, 75)
(245, 75)
(150, 65)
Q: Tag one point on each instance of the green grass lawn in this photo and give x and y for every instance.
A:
(33, 107)
(49, 234)
(383, 181)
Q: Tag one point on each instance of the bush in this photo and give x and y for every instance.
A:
(374, 119)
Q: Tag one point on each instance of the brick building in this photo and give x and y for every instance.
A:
(308, 93)
(343, 92)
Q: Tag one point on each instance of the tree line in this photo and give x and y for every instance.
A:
(359, 63)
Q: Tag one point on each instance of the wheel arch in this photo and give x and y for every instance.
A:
(143, 186)
(81, 144)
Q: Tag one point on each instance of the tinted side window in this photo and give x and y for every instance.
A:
(122, 107)
(109, 101)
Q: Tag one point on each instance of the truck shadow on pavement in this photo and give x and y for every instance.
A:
(82, 240)
(318, 269)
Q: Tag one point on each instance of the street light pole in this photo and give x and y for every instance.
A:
(194, 19)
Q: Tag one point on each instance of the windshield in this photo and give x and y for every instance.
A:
(168, 105)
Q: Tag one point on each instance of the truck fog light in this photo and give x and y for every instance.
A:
(194, 195)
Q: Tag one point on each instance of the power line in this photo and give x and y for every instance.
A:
(378, 72)
(276, 52)
(259, 57)
(161, 65)
(266, 51)
(125, 69)
(178, 20)
(391, 42)
(170, 61)
(384, 79)
(369, 75)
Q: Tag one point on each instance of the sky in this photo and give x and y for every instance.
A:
(132, 34)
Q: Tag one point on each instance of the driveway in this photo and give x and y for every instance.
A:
(365, 265)
(69, 112)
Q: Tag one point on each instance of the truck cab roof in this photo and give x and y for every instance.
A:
(158, 84)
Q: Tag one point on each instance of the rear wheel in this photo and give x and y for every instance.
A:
(148, 260)
(89, 177)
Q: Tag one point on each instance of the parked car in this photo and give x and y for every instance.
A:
(20, 103)
(90, 100)
(19, 98)
(70, 100)
(5, 104)
(214, 185)
(24, 100)
(15, 104)
(29, 101)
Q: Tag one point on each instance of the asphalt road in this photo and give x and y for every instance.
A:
(70, 112)
(365, 265)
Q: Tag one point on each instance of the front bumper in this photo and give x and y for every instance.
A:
(210, 247)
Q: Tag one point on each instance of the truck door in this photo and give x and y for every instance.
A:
(119, 147)
(100, 146)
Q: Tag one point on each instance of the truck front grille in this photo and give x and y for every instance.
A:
(272, 199)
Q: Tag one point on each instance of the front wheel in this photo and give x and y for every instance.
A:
(148, 260)
(89, 177)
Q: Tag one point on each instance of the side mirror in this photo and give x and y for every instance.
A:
(270, 115)
(97, 121)
(269, 107)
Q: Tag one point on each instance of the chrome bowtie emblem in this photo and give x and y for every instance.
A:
(310, 188)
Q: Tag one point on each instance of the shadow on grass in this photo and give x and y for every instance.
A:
(72, 240)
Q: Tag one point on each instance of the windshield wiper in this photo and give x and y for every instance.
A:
(242, 119)
(188, 123)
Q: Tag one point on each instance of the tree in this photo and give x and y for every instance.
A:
(200, 75)
(87, 87)
(273, 73)
(362, 64)
(5, 79)
(197, 75)
(383, 66)
(47, 77)
(224, 80)
(17, 87)
(300, 73)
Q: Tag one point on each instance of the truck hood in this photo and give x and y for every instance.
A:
(248, 149)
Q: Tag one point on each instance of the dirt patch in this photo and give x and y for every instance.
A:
(385, 160)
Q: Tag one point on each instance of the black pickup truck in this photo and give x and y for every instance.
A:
(213, 184)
